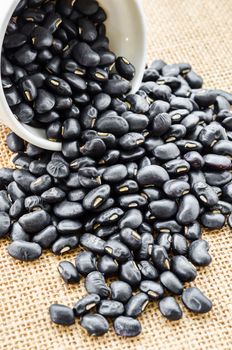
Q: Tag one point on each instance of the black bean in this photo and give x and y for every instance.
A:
(223, 207)
(93, 243)
(153, 289)
(214, 178)
(52, 22)
(161, 124)
(110, 308)
(160, 258)
(213, 220)
(68, 210)
(61, 314)
(136, 122)
(164, 239)
(146, 246)
(44, 101)
(131, 219)
(107, 265)
(25, 55)
(68, 272)
(18, 234)
(17, 208)
(110, 216)
(95, 283)
(196, 301)
(131, 238)
(163, 208)
(170, 309)
(23, 112)
(176, 188)
(179, 244)
(25, 251)
(152, 174)
(53, 195)
(171, 282)
(64, 244)
(86, 263)
(137, 103)
(95, 324)
(198, 253)
(130, 273)
(117, 250)
(136, 304)
(148, 270)
(183, 268)
(46, 237)
(195, 160)
(223, 147)
(125, 68)
(86, 303)
(35, 221)
(15, 192)
(193, 231)
(5, 223)
(24, 179)
(127, 326)
(117, 87)
(189, 209)
(112, 124)
(5, 203)
(85, 56)
(194, 80)
(6, 176)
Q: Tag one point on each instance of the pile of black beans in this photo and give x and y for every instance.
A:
(58, 72)
(138, 178)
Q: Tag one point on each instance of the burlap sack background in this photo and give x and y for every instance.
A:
(198, 31)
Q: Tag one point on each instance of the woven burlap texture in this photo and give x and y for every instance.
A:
(197, 31)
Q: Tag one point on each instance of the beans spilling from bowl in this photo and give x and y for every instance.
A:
(138, 178)
(58, 73)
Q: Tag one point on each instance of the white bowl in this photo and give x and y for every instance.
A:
(126, 31)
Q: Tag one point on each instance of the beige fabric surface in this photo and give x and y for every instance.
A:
(197, 31)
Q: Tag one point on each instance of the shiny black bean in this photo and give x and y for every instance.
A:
(121, 291)
(146, 246)
(188, 145)
(217, 162)
(136, 122)
(193, 231)
(158, 107)
(86, 303)
(223, 147)
(131, 140)
(14, 40)
(196, 301)
(93, 243)
(227, 192)
(189, 209)
(171, 282)
(76, 195)
(35, 221)
(7, 68)
(198, 253)
(117, 250)
(23, 112)
(53, 195)
(195, 160)
(52, 22)
(179, 244)
(117, 87)
(164, 239)
(125, 68)
(152, 174)
(166, 152)
(85, 56)
(210, 134)
(107, 266)
(205, 194)
(68, 272)
(95, 283)
(96, 197)
(6, 177)
(82, 162)
(86, 263)
(160, 258)
(24, 179)
(12, 97)
(137, 103)
(213, 220)
(130, 273)
(94, 148)
(131, 219)
(25, 55)
(148, 270)
(41, 184)
(46, 237)
(131, 238)
(69, 227)
(153, 289)
(170, 309)
(112, 124)
(17, 208)
(127, 326)
(61, 314)
(15, 192)
(110, 308)
(136, 304)
(68, 210)
(89, 177)
(5, 203)
(18, 234)
(95, 324)
(25, 251)
(64, 244)
(44, 101)
(163, 208)
(223, 207)
(176, 188)
(5, 223)
(131, 201)
(33, 203)
(183, 268)
(214, 178)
